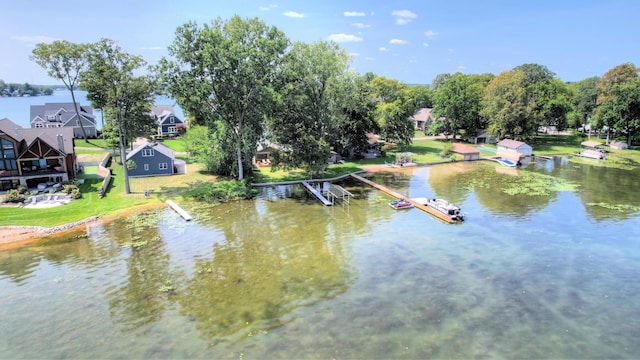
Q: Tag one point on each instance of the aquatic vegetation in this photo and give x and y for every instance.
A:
(167, 287)
(535, 184)
(612, 161)
(618, 207)
(137, 242)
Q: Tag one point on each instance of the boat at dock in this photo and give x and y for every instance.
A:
(401, 204)
(442, 206)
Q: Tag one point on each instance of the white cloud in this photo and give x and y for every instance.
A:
(425, 44)
(369, 58)
(430, 33)
(151, 48)
(361, 25)
(398, 42)
(34, 39)
(383, 49)
(344, 38)
(354, 13)
(293, 14)
(354, 54)
(413, 61)
(403, 16)
(462, 67)
(268, 7)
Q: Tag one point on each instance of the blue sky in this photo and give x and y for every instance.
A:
(411, 41)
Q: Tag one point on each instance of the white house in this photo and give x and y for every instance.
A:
(515, 146)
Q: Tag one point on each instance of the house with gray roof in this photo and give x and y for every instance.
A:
(422, 118)
(56, 115)
(168, 123)
(153, 159)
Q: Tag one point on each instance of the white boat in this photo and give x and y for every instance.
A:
(593, 154)
(443, 206)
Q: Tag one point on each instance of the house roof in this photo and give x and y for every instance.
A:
(66, 111)
(464, 149)
(422, 114)
(590, 143)
(159, 147)
(161, 111)
(514, 144)
(372, 139)
(510, 155)
(48, 135)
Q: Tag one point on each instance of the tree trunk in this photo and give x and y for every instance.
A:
(75, 105)
(123, 155)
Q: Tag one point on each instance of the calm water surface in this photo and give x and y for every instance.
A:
(544, 276)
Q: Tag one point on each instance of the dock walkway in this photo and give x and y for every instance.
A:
(397, 196)
(317, 194)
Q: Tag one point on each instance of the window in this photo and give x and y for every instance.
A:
(146, 167)
(172, 120)
(39, 125)
(146, 152)
(163, 166)
(172, 130)
(7, 156)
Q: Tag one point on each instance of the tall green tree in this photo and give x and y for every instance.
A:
(607, 113)
(508, 107)
(584, 99)
(224, 71)
(458, 102)
(395, 105)
(64, 61)
(126, 98)
(310, 101)
(553, 100)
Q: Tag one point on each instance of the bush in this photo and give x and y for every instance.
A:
(75, 193)
(69, 188)
(13, 196)
(22, 189)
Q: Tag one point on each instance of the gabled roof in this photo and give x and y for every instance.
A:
(66, 112)
(48, 135)
(464, 149)
(422, 114)
(590, 143)
(162, 111)
(511, 143)
(159, 147)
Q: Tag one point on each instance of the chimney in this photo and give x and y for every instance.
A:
(60, 142)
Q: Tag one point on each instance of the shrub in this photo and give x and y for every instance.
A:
(222, 191)
(22, 189)
(12, 196)
(68, 188)
(75, 193)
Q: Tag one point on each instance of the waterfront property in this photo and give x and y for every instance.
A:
(618, 145)
(152, 159)
(168, 123)
(35, 156)
(56, 115)
(467, 152)
(516, 151)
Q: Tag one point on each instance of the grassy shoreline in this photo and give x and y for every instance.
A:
(427, 151)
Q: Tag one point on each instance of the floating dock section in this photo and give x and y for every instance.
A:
(179, 210)
(397, 196)
(317, 194)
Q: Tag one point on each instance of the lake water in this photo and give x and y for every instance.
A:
(553, 275)
(17, 109)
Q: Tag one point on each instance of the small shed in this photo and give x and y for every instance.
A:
(590, 144)
(619, 145)
(517, 146)
(467, 152)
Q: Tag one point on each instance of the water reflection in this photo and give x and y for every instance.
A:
(283, 276)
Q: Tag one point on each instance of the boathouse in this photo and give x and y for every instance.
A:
(467, 152)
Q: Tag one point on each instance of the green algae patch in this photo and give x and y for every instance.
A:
(613, 161)
(617, 207)
(534, 184)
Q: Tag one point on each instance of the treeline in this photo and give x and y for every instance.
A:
(243, 83)
(26, 89)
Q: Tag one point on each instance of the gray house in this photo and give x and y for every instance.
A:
(168, 122)
(151, 159)
(55, 115)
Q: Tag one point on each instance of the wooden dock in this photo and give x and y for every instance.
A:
(397, 196)
(179, 210)
(317, 194)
